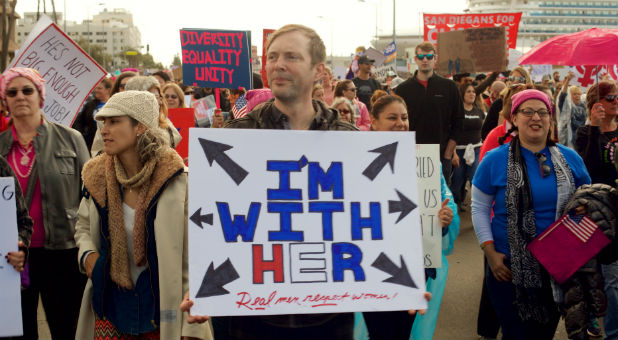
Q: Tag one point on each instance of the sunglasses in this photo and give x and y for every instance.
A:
(27, 91)
(519, 79)
(173, 96)
(429, 56)
(545, 169)
(530, 112)
(609, 97)
(352, 89)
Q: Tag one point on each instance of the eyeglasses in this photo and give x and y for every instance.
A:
(429, 56)
(518, 79)
(345, 111)
(545, 169)
(27, 91)
(609, 97)
(173, 96)
(530, 112)
(351, 89)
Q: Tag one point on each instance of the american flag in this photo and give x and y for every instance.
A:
(240, 107)
(581, 226)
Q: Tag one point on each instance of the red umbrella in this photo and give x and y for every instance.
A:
(595, 46)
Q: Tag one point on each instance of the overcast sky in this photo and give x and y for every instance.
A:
(351, 23)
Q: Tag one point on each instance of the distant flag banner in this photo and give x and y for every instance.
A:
(390, 52)
(567, 245)
(240, 107)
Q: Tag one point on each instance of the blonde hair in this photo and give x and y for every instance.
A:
(178, 91)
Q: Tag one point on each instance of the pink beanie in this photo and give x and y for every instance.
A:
(257, 97)
(29, 73)
(520, 97)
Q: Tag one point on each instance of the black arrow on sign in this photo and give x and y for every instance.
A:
(215, 279)
(387, 156)
(216, 152)
(400, 276)
(198, 218)
(405, 205)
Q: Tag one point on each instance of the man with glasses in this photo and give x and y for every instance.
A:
(435, 107)
(365, 84)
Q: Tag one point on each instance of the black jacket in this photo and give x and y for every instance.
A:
(24, 222)
(435, 112)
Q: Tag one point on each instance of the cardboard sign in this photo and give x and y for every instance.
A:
(437, 23)
(69, 72)
(472, 50)
(215, 58)
(430, 200)
(10, 300)
(288, 222)
(183, 119)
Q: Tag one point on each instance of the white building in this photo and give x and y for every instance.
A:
(543, 19)
(114, 30)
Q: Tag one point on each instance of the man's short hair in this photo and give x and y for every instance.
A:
(425, 46)
(317, 50)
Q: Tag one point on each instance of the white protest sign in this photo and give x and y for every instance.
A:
(10, 300)
(288, 222)
(430, 200)
(69, 72)
(380, 72)
(514, 56)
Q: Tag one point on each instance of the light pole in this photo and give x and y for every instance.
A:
(394, 22)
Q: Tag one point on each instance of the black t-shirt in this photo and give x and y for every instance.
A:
(365, 89)
(472, 123)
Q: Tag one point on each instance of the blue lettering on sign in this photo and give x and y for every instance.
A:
(284, 168)
(350, 262)
(245, 227)
(327, 209)
(285, 233)
(331, 180)
(374, 221)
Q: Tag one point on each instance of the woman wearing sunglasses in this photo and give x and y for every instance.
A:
(526, 183)
(174, 96)
(47, 159)
(345, 109)
(597, 142)
(347, 89)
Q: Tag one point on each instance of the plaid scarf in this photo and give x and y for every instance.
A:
(521, 228)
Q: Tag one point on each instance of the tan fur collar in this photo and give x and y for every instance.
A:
(93, 175)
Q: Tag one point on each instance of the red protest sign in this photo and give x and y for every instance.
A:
(267, 33)
(436, 23)
(183, 119)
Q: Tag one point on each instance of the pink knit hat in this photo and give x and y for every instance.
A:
(29, 73)
(520, 97)
(257, 97)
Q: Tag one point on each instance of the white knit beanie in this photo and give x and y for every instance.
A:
(139, 105)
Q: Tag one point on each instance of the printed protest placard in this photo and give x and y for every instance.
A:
(437, 23)
(183, 119)
(430, 200)
(586, 75)
(69, 72)
(10, 300)
(215, 58)
(282, 222)
(467, 51)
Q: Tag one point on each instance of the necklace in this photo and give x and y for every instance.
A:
(25, 159)
(16, 167)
